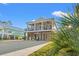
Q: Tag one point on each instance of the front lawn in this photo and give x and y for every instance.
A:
(49, 49)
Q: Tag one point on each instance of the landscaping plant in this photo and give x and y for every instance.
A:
(66, 40)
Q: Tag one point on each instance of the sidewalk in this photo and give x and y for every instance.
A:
(26, 51)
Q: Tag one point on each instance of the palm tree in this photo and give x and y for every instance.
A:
(5, 26)
(77, 10)
(67, 36)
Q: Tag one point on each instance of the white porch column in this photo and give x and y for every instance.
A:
(42, 36)
(27, 36)
(2, 34)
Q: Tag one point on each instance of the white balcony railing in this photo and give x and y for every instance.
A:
(39, 28)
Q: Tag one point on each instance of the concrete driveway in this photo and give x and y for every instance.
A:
(14, 45)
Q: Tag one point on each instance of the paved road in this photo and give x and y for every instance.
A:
(10, 46)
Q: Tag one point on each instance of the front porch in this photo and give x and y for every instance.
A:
(39, 35)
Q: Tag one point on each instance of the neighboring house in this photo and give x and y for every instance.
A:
(7, 31)
(40, 29)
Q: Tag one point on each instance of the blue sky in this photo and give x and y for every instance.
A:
(20, 13)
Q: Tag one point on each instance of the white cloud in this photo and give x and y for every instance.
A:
(4, 3)
(33, 20)
(59, 13)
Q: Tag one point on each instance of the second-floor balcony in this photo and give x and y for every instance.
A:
(39, 28)
(40, 25)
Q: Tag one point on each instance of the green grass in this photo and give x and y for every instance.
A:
(44, 51)
(48, 49)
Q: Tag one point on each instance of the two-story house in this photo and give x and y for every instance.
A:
(40, 29)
